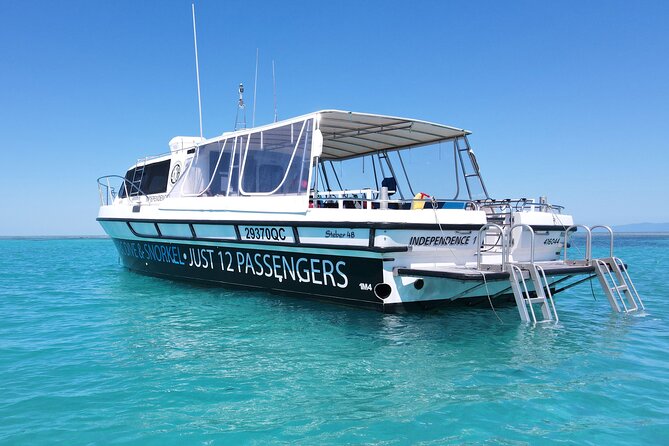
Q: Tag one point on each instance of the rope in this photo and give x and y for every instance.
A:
(436, 218)
(557, 216)
(485, 282)
(592, 290)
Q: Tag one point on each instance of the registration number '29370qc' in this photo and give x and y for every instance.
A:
(278, 234)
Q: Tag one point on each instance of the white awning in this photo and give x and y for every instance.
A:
(349, 134)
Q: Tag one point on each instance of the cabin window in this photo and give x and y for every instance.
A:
(149, 179)
(233, 168)
(277, 160)
(274, 161)
(201, 177)
(219, 163)
(155, 178)
(126, 187)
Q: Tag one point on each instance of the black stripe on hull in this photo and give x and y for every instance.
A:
(403, 307)
(344, 278)
(376, 305)
(330, 224)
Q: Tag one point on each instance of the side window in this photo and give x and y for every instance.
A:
(133, 183)
(127, 185)
(207, 172)
(274, 161)
(149, 179)
(277, 160)
(219, 162)
(233, 179)
(154, 178)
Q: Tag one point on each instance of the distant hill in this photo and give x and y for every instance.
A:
(643, 227)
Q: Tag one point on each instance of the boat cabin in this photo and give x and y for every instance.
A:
(326, 159)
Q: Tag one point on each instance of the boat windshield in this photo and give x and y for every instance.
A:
(274, 161)
(447, 171)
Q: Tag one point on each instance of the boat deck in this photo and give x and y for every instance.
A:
(552, 268)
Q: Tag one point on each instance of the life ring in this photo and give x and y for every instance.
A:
(418, 202)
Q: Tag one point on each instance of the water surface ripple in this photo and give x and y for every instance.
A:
(93, 354)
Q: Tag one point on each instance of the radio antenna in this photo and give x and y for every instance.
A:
(197, 70)
(240, 123)
(255, 85)
(276, 116)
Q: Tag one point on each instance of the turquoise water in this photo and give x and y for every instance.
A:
(93, 354)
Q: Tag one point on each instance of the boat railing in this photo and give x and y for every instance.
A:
(588, 242)
(610, 231)
(509, 205)
(109, 188)
(146, 159)
(483, 232)
(516, 241)
(371, 199)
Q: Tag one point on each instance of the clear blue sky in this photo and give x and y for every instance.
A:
(565, 99)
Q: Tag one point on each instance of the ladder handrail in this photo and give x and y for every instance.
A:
(524, 291)
(628, 280)
(522, 226)
(480, 238)
(588, 242)
(608, 228)
(547, 290)
(604, 267)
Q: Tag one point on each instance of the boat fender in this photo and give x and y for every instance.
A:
(417, 202)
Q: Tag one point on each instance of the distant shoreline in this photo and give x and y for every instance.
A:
(642, 227)
(51, 237)
(623, 233)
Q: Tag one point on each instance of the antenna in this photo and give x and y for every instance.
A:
(241, 107)
(276, 116)
(255, 85)
(197, 71)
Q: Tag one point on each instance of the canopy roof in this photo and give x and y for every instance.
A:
(349, 134)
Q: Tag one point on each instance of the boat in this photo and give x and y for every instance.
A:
(326, 205)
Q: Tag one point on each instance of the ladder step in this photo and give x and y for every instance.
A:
(614, 279)
(537, 276)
